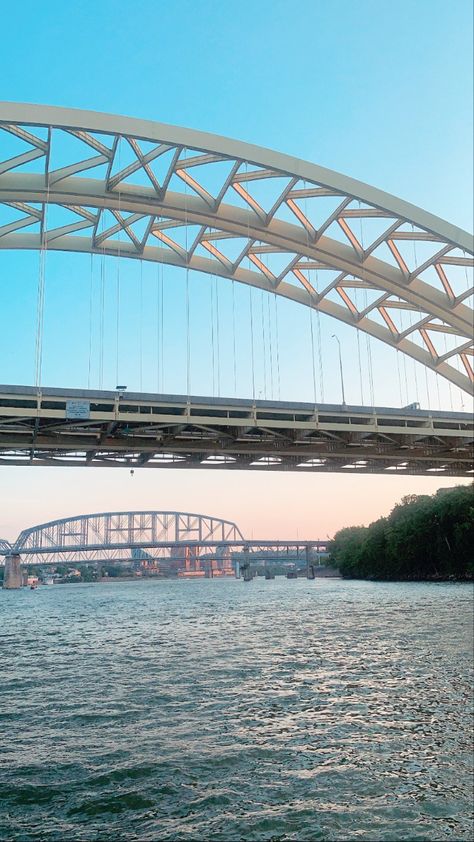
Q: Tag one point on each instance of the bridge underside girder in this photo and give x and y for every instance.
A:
(402, 282)
(48, 554)
(150, 431)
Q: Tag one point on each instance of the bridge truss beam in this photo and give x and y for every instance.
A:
(114, 530)
(114, 536)
(150, 431)
(45, 556)
(399, 283)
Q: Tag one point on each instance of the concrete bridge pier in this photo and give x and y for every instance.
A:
(245, 566)
(309, 565)
(12, 578)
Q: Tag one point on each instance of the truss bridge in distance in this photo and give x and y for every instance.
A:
(152, 543)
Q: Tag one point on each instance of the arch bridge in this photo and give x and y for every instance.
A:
(80, 181)
(156, 192)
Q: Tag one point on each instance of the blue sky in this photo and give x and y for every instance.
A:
(376, 90)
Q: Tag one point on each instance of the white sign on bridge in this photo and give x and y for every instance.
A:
(78, 409)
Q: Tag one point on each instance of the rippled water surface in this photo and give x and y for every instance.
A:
(268, 710)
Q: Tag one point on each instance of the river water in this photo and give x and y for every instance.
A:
(269, 710)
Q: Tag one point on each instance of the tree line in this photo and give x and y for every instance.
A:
(423, 537)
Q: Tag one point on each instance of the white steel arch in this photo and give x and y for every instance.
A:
(131, 187)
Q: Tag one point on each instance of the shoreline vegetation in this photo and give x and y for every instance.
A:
(424, 538)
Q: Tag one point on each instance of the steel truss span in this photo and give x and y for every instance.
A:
(156, 192)
(114, 536)
(42, 427)
(108, 534)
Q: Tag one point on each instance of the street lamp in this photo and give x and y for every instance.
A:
(340, 368)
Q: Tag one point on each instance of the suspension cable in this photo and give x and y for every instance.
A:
(162, 285)
(211, 279)
(437, 389)
(140, 337)
(320, 346)
(468, 287)
(40, 311)
(218, 344)
(427, 388)
(415, 374)
(399, 378)
(160, 373)
(157, 325)
(368, 343)
(267, 338)
(449, 382)
(102, 317)
(264, 347)
(42, 275)
(233, 336)
(411, 323)
(361, 380)
(313, 362)
(359, 357)
(117, 280)
(188, 314)
(312, 349)
(404, 361)
(251, 341)
(91, 286)
(461, 392)
(117, 320)
(250, 299)
(468, 284)
(188, 338)
(272, 394)
(277, 336)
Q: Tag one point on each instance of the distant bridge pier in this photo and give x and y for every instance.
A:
(309, 563)
(12, 578)
(245, 566)
(268, 570)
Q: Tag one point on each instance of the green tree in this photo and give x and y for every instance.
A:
(422, 538)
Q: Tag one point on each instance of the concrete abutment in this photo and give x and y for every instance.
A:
(12, 578)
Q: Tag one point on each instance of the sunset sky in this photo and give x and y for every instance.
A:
(379, 92)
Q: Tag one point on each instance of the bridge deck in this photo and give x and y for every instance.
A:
(109, 429)
(50, 554)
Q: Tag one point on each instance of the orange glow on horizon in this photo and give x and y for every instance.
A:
(282, 505)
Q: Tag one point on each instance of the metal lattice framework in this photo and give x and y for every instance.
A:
(155, 192)
(107, 535)
(116, 536)
(37, 427)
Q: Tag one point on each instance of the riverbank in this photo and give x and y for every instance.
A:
(466, 580)
(424, 539)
